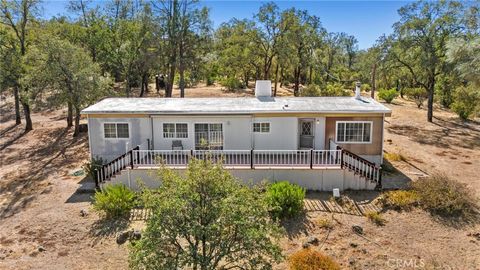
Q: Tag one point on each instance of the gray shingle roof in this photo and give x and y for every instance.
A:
(239, 105)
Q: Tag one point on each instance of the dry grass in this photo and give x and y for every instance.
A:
(395, 157)
(441, 195)
(308, 259)
(376, 218)
(400, 199)
(325, 223)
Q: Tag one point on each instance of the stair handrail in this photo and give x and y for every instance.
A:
(107, 170)
(374, 175)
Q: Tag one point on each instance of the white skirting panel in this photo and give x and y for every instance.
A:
(321, 180)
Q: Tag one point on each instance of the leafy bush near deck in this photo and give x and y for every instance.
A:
(446, 197)
(400, 199)
(285, 199)
(92, 165)
(114, 200)
(308, 259)
(311, 90)
(388, 95)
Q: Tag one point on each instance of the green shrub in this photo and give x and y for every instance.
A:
(400, 199)
(388, 95)
(285, 199)
(92, 166)
(114, 200)
(376, 218)
(366, 87)
(334, 90)
(446, 197)
(308, 259)
(231, 83)
(419, 95)
(466, 101)
(311, 90)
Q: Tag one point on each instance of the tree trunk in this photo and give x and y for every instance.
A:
(431, 91)
(182, 82)
(18, 118)
(28, 119)
(127, 87)
(171, 78)
(281, 77)
(297, 81)
(70, 115)
(77, 122)
(276, 81)
(374, 70)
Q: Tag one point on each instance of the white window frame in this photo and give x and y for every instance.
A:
(345, 130)
(175, 135)
(262, 132)
(209, 123)
(116, 130)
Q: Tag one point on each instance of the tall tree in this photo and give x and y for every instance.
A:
(18, 15)
(178, 21)
(10, 68)
(420, 38)
(67, 72)
(301, 38)
(268, 35)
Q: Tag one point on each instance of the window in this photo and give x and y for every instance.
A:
(354, 132)
(172, 130)
(209, 136)
(116, 130)
(261, 127)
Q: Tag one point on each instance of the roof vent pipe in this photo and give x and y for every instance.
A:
(263, 88)
(357, 90)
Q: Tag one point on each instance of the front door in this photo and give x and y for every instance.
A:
(306, 133)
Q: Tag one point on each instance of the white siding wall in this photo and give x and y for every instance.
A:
(283, 134)
(111, 148)
(236, 131)
(319, 139)
(324, 180)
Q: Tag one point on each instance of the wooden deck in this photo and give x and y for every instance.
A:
(356, 203)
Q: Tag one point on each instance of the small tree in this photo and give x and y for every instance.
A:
(419, 95)
(388, 95)
(466, 101)
(206, 220)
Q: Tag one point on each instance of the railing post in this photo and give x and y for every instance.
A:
(341, 158)
(311, 158)
(251, 158)
(131, 158)
(96, 178)
(138, 154)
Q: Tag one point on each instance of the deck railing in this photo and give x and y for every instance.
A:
(302, 159)
(240, 158)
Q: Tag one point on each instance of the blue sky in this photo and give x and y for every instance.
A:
(366, 20)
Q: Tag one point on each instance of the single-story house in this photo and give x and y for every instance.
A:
(318, 142)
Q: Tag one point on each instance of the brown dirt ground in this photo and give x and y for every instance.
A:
(39, 205)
